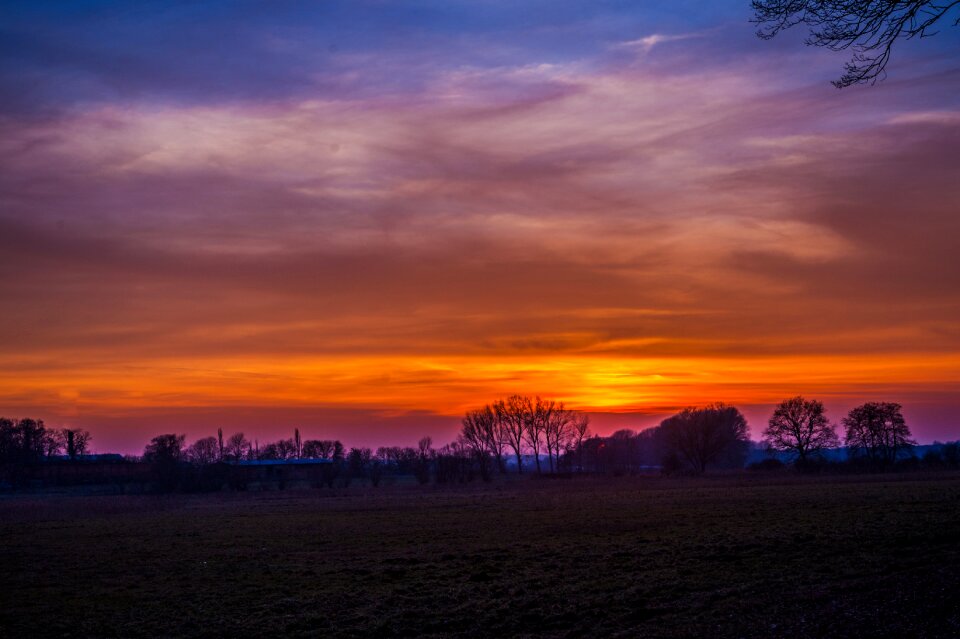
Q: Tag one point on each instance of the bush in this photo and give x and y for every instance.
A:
(671, 464)
(951, 454)
(932, 459)
(766, 465)
(909, 463)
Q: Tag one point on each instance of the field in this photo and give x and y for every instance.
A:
(651, 557)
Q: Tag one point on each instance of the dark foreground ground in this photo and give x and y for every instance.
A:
(721, 557)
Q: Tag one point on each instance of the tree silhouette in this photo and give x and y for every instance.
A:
(951, 454)
(237, 447)
(800, 427)
(164, 453)
(877, 432)
(286, 448)
(358, 462)
(486, 424)
(34, 439)
(27, 440)
(8, 439)
(701, 436)
(164, 448)
(476, 428)
(496, 438)
(868, 27)
(557, 433)
(321, 448)
(203, 451)
(512, 413)
(77, 440)
(537, 416)
(424, 453)
(580, 432)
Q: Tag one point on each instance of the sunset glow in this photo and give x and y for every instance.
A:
(367, 231)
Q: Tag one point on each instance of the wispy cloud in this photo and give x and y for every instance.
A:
(623, 236)
(647, 43)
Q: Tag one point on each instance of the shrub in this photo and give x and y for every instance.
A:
(766, 465)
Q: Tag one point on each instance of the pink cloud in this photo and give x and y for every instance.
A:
(539, 211)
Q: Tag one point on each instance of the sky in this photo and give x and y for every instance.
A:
(363, 218)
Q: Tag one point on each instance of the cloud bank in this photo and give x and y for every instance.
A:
(630, 235)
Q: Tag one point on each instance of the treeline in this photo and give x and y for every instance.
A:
(871, 437)
(237, 447)
(521, 425)
(531, 427)
(25, 441)
(521, 434)
(170, 451)
(875, 433)
(875, 436)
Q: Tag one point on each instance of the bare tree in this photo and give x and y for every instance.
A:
(164, 453)
(868, 27)
(557, 433)
(496, 437)
(700, 436)
(622, 451)
(580, 430)
(476, 430)
(31, 440)
(203, 451)
(424, 453)
(512, 414)
(164, 448)
(280, 449)
(9, 447)
(286, 448)
(320, 448)
(220, 444)
(77, 441)
(878, 432)
(800, 427)
(452, 462)
(488, 424)
(425, 446)
(297, 442)
(358, 462)
(237, 447)
(53, 442)
(537, 418)
(268, 452)
(377, 462)
(491, 426)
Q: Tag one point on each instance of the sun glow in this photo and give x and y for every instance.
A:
(449, 385)
(631, 225)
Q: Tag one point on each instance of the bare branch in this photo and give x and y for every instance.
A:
(867, 27)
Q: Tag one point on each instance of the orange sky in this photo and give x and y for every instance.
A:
(631, 230)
